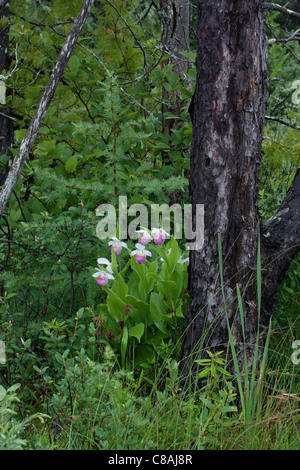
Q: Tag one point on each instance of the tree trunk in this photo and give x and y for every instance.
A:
(227, 111)
(175, 39)
(6, 123)
(281, 242)
(297, 9)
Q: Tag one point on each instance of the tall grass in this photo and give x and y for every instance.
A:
(257, 408)
(121, 412)
(123, 417)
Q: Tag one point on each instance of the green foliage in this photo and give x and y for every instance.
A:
(281, 151)
(143, 312)
(13, 429)
(281, 154)
(213, 367)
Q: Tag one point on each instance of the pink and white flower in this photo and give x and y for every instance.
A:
(105, 261)
(102, 277)
(145, 237)
(159, 235)
(140, 253)
(117, 245)
(183, 260)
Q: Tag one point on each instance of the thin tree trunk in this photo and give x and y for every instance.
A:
(297, 10)
(6, 122)
(175, 39)
(280, 243)
(37, 119)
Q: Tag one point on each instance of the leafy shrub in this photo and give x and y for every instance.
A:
(142, 317)
(13, 429)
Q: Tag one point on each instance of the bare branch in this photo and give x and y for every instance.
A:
(25, 86)
(276, 7)
(283, 42)
(293, 37)
(281, 121)
(20, 205)
(37, 119)
(8, 117)
(15, 69)
(4, 240)
(276, 105)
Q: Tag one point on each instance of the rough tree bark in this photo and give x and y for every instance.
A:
(281, 242)
(48, 94)
(175, 39)
(6, 121)
(227, 111)
(297, 10)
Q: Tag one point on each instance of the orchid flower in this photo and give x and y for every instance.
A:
(159, 235)
(145, 237)
(105, 261)
(140, 253)
(102, 277)
(181, 260)
(117, 245)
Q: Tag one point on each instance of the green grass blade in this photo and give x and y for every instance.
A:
(232, 347)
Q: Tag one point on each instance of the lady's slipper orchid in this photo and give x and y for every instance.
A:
(159, 235)
(140, 253)
(182, 261)
(102, 277)
(105, 261)
(117, 245)
(145, 237)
